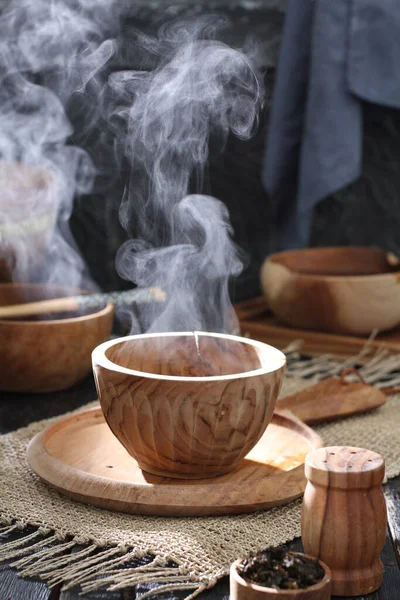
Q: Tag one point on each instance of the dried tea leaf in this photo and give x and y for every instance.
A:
(277, 568)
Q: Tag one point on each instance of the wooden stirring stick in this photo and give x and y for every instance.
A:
(78, 303)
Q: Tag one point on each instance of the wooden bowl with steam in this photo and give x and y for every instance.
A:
(52, 352)
(28, 210)
(352, 290)
(187, 405)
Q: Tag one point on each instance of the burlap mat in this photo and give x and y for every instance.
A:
(201, 549)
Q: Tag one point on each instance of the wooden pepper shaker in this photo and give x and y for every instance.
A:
(344, 516)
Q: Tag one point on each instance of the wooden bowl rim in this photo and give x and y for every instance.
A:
(319, 277)
(108, 309)
(267, 590)
(99, 357)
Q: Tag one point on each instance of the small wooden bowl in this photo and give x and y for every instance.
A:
(47, 355)
(244, 590)
(188, 405)
(337, 290)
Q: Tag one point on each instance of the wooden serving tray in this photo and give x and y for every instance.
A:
(258, 323)
(80, 457)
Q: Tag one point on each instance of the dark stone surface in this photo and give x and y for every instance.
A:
(18, 410)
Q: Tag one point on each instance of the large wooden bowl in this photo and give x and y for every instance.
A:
(186, 405)
(47, 355)
(337, 290)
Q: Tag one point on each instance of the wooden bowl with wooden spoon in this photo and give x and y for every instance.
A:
(47, 353)
(191, 404)
(352, 290)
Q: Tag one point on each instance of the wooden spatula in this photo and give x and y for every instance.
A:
(333, 398)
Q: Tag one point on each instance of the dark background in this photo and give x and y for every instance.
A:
(365, 213)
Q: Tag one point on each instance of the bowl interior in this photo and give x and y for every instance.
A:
(190, 355)
(341, 261)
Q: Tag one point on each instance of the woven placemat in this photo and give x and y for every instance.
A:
(188, 553)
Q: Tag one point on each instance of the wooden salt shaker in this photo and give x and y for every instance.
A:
(344, 516)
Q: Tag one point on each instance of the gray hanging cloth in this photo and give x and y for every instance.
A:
(335, 54)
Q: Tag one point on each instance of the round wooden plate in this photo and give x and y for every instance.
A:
(80, 457)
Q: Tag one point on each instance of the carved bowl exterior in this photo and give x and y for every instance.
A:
(47, 355)
(349, 290)
(186, 405)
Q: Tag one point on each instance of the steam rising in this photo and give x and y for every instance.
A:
(48, 51)
(192, 93)
(202, 92)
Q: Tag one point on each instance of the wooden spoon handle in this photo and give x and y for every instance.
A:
(76, 303)
(29, 309)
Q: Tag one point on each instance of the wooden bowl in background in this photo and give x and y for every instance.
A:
(29, 197)
(337, 290)
(47, 355)
(244, 590)
(186, 405)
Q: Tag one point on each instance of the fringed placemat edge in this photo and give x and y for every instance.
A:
(58, 560)
(93, 565)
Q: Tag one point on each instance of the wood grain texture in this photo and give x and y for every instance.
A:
(15, 588)
(331, 399)
(83, 304)
(81, 458)
(243, 590)
(260, 324)
(344, 516)
(187, 405)
(76, 594)
(388, 590)
(336, 290)
(44, 356)
(391, 579)
(41, 307)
